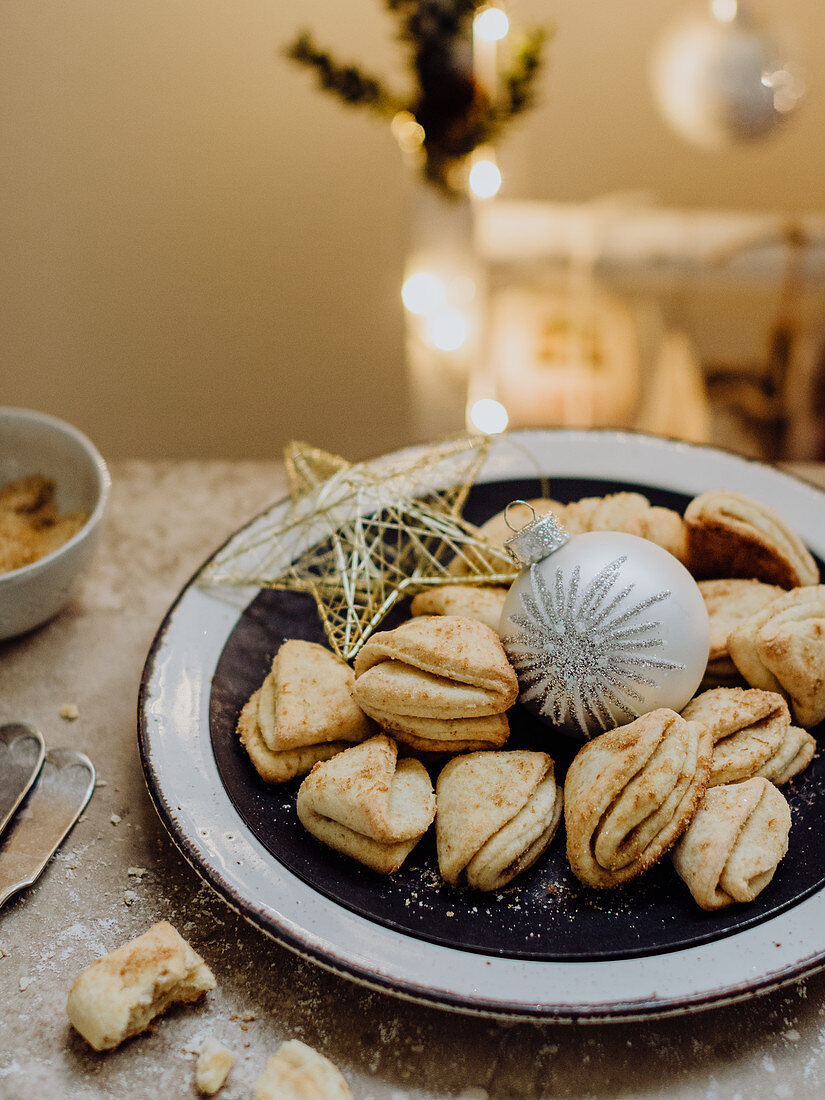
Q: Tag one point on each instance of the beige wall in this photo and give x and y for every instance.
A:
(202, 254)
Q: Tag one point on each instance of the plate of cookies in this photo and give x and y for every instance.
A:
(592, 793)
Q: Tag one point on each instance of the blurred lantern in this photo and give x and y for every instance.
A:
(720, 78)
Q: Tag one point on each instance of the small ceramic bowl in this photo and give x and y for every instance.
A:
(35, 443)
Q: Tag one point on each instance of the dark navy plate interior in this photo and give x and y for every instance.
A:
(544, 914)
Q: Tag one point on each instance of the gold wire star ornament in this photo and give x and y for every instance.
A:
(359, 537)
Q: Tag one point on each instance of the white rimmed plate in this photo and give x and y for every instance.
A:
(330, 919)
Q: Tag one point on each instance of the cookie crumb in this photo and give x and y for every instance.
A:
(69, 711)
(213, 1066)
(115, 819)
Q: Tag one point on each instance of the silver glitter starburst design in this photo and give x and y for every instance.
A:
(583, 655)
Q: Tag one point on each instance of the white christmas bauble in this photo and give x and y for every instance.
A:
(718, 82)
(601, 628)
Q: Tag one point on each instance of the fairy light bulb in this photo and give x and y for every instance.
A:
(447, 330)
(724, 11)
(485, 179)
(491, 24)
(488, 416)
(423, 293)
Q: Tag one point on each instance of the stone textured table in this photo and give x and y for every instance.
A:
(165, 518)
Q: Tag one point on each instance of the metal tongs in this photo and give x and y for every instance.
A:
(42, 794)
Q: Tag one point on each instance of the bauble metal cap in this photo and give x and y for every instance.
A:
(537, 539)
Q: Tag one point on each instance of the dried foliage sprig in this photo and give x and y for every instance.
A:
(454, 113)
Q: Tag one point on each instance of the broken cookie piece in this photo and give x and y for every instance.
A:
(297, 1072)
(213, 1066)
(119, 995)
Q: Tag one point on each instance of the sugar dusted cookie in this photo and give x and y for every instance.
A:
(369, 805)
(729, 601)
(731, 535)
(465, 600)
(119, 995)
(445, 735)
(782, 648)
(297, 1072)
(629, 512)
(752, 735)
(630, 793)
(304, 711)
(732, 847)
(438, 682)
(497, 812)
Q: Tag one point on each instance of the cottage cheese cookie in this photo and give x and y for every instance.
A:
(369, 805)
(304, 711)
(630, 793)
(297, 1072)
(782, 648)
(119, 995)
(752, 735)
(729, 601)
(629, 512)
(465, 600)
(436, 682)
(730, 851)
(731, 535)
(497, 812)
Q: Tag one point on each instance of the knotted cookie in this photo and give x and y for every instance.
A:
(782, 648)
(752, 735)
(730, 851)
(304, 711)
(729, 601)
(438, 683)
(369, 805)
(496, 813)
(630, 793)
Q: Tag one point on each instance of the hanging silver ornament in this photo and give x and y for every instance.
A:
(601, 628)
(721, 78)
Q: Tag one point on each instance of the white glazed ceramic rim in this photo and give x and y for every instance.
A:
(104, 481)
(184, 782)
